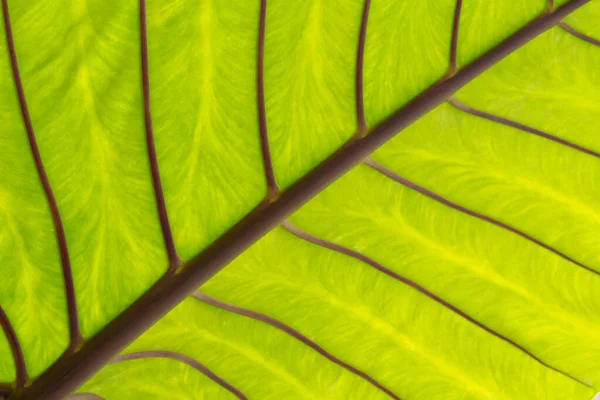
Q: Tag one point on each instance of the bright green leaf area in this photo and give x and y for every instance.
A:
(203, 83)
(419, 31)
(475, 35)
(586, 19)
(546, 189)
(552, 84)
(81, 71)
(411, 344)
(408, 342)
(171, 380)
(259, 360)
(310, 58)
(32, 292)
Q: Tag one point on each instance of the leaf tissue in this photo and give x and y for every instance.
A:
(270, 199)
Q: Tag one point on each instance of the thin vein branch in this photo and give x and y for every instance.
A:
(74, 330)
(453, 65)
(174, 260)
(292, 332)
(360, 60)
(579, 34)
(403, 181)
(517, 125)
(15, 348)
(272, 187)
(70, 370)
(369, 261)
(184, 359)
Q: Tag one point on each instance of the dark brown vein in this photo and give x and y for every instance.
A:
(85, 396)
(184, 359)
(74, 331)
(272, 187)
(70, 370)
(403, 181)
(360, 60)
(359, 256)
(579, 34)
(5, 390)
(292, 332)
(174, 260)
(452, 68)
(513, 124)
(15, 348)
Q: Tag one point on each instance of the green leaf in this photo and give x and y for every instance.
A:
(458, 262)
(129, 180)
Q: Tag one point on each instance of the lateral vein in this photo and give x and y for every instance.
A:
(184, 359)
(292, 332)
(75, 336)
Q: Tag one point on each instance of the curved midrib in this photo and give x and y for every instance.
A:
(73, 368)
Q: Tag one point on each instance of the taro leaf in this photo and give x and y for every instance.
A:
(458, 262)
(256, 107)
(437, 269)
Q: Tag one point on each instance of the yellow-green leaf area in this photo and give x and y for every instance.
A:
(259, 360)
(537, 299)
(541, 187)
(420, 31)
(484, 24)
(586, 19)
(204, 105)
(310, 71)
(32, 288)
(151, 378)
(81, 72)
(552, 84)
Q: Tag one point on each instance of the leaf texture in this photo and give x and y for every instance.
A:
(457, 262)
(210, 112)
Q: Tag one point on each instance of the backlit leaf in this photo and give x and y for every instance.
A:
(146, 145)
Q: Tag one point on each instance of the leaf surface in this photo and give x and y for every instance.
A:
(457, 262)
(233, 106)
